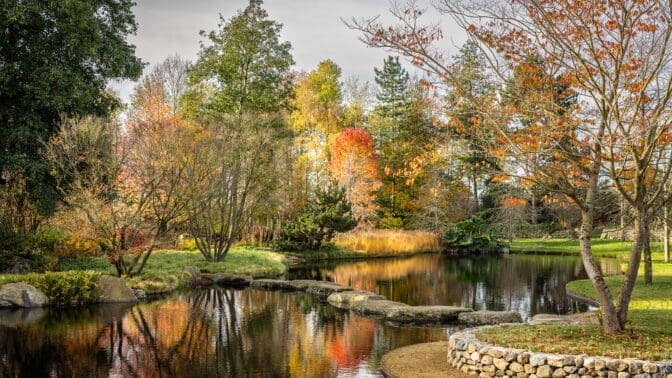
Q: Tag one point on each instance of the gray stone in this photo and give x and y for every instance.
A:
(475, 357)
(324, 289)
(544, 371)
(573, 376)
(570, 369)
(495, 352)
(510, 355)
(115, 290)
(424, 314)
(140, 294)
(600, 364)
(21, 294)
(345, 299)
(559, 373)
(484, 317)
(537, 359)
(272, 284)
(636, 367)
(612, 374)
(555, 361)
(665, 368)
(376, 308)
(586, 318)
(516, 367)
(486, 359)
(623, 374)
(471, 348)
(589, 362)
(650, 368)
(500, 364)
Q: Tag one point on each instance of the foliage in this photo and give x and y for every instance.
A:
(318, 222)
(62, 288)
(353, 166)
(315, 120)
(57, 58)
(388, 242)
(472, 235)
(246, 63)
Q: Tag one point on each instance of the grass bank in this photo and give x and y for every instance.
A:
(164, 271)
(649, 328)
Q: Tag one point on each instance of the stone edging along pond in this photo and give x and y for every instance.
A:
(469, 355)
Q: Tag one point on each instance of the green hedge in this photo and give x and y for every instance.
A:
(62, 288)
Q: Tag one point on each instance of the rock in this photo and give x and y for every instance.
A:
(140, 294)
(303, 285)
(484, 317)
(586, 318)
(544, 371)
(345, 299)
(271, 284)
(555, 361)
(21, 294)
(228, 279)
(18, 317)
(537, 359)
(425, 314)
(323, 290)
(516, 367)
(500, 364)
(559, 373)
(650, 368)
(376, 308)
(115, 290)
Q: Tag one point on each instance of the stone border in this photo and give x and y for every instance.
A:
(469, 355)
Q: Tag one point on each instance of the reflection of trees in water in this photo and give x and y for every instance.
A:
(528, 284)
(206, 333)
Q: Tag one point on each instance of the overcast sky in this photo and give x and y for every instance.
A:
(313, 27)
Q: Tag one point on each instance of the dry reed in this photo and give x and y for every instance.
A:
(384, 242)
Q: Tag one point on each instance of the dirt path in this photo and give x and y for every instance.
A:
(427, 360)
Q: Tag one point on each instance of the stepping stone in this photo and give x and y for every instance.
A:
(347, 298)
(376, 308)
(322, 290)
(272, 284)
(421, 315)
(485, 317)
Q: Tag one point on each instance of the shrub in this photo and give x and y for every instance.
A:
(472, 235)
(318, 222)
(62, 288)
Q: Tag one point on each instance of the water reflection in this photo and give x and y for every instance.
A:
(529, 284)
(205, 333)
(275, 334)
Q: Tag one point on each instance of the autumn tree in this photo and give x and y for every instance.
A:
(316, 116)
(353, 164)
(239, 88)
(616, 58)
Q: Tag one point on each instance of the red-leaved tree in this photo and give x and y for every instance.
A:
(353, 165)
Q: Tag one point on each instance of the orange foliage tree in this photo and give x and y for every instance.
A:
(612, 56)
(353, 165)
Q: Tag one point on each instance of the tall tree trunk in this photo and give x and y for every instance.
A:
(628, 284)
(474, 179)
(648, 265)
(610, 320)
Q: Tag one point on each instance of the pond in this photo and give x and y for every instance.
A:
(226, 332)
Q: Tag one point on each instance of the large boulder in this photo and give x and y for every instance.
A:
(346, 299)
(585, 318)
(485, 317)
(420, 315)
(21, 295)
(115, 290)
(228, 279)
(376, 308)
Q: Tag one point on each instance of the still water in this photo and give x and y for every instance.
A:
(241, 333)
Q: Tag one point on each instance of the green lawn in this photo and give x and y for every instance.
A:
(601, 247)
(165, 269)
(649, 328)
